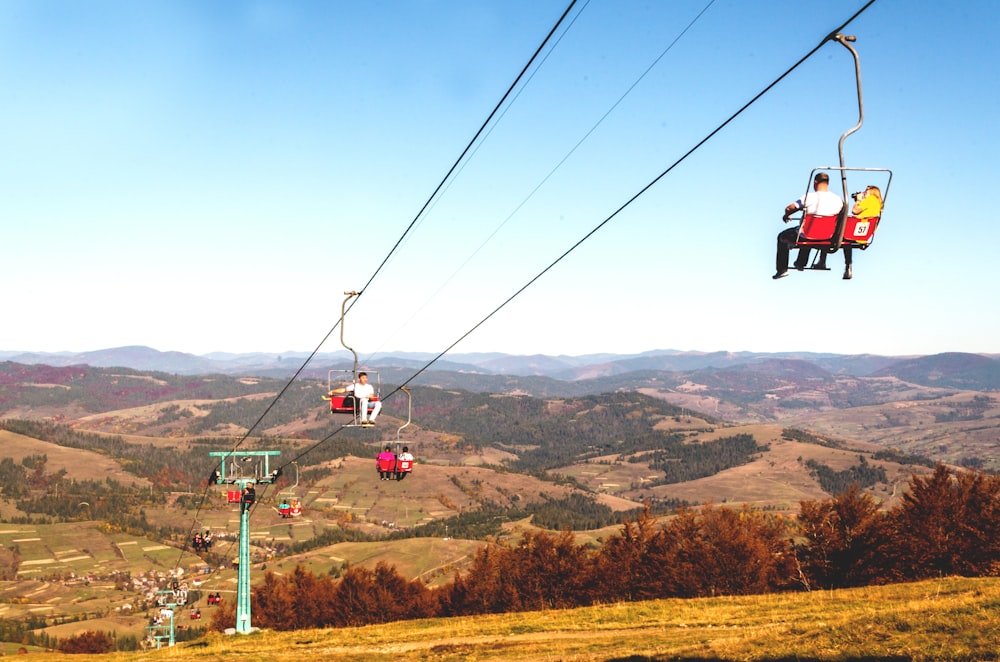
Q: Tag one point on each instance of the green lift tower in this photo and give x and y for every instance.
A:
(246, 469)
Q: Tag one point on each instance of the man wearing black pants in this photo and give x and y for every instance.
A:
(819, 202)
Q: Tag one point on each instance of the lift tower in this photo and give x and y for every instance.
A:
(246, 469)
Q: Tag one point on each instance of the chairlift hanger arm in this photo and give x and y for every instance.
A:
(846, 41)
(409, 410)
(838, 234)
(343, 314)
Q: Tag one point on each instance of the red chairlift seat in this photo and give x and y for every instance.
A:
(403, 467)
(820, 231)
(858, 232)
(348, 404)
(385, 465)
(817, 231)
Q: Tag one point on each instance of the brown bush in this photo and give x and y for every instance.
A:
(87, 643)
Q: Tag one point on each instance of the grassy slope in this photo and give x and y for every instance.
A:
(79, 464)
(947, 619)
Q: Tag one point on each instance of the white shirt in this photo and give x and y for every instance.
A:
(821, 203)
(362, 391)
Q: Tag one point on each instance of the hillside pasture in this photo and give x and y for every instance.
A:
(961, 425)
(153, 419)
(79, 464)
(777, 479)
(612, 475)
(433, 560)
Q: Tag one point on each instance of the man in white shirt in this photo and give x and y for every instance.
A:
(818, 202)
(363, 392)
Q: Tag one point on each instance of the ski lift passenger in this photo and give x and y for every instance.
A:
(248, 497)
(404, 463)
(363, 392)
(385, 463)
(818, 202)
(867, 205)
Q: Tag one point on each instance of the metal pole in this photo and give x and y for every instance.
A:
(262, 476)
(843, 40)
(243, 573)
(343, 313)
(841, 222)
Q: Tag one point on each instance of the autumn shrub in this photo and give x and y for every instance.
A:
(846, 541)
(947, 524)
(87, 643)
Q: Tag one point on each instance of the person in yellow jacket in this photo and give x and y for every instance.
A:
(866, 205)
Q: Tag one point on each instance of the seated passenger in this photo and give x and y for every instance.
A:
(248, 497)
(407, 457)
(867, 204)
(818, 202)
(385, 463)
(364, 393)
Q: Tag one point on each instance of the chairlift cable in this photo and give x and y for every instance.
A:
(472, 142)
(558, 165)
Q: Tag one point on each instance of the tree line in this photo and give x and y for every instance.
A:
(946, 524)
(834, 482)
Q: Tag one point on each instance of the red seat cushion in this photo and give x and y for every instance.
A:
(817, 228)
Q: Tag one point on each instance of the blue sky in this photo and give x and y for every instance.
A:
(212, 176)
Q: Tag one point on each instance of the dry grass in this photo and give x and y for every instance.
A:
(79, 464)
(950, 619)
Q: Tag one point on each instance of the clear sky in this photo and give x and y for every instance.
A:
(212, 176)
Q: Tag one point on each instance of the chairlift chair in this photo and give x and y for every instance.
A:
(346, 403)
(291, 507)
(828, 234)
(398, 469)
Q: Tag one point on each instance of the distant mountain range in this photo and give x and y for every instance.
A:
(948, 370)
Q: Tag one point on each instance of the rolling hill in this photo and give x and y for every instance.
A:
(495, 453)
